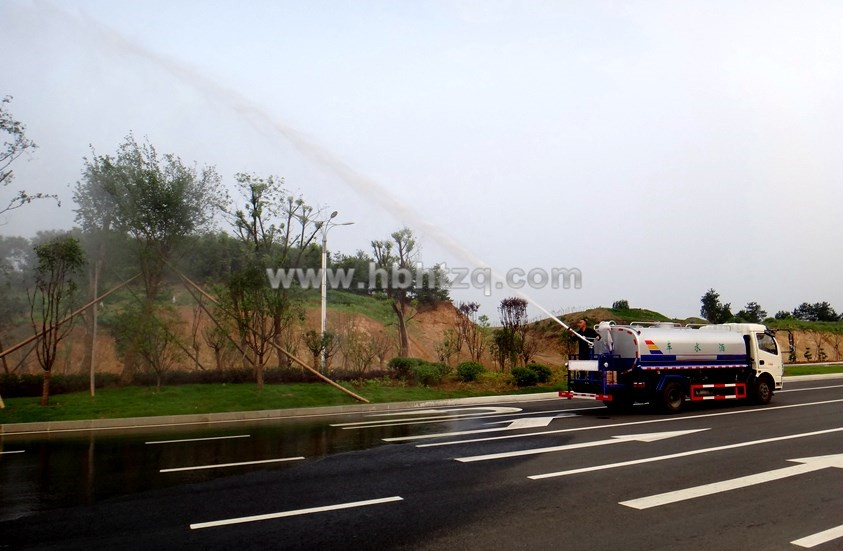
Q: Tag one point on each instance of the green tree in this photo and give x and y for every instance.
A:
(52, 300)
(432, 287)
(157, 200)
(713, 310)
(751, 313)
(360, 263)
(818, 311)
(15, 261)
(399, 275)
(396, 259)
(276, 230)
(147, 332)
(317, 343)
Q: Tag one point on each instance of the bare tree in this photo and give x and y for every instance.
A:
(472, 329)
(448, 346)
(218, 341)
(195, 324)
(835, 339)
(382, 346)
(357, 347)
(15, 144)
(818, 338)
(530, 346)
(513, 313)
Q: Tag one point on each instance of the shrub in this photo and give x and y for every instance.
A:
(26, 384)
(402, 367)
(469, 371)
(524, 377)
(428, 374)
(543, 373)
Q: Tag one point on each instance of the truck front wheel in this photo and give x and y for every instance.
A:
(672, 397)
(763, 391)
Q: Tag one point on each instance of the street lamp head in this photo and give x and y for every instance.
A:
(334, 214)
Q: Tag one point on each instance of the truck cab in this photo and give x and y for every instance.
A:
(763, 355)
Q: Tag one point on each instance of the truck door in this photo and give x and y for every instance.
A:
(769, 359)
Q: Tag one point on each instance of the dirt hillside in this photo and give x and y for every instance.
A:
(427, 330)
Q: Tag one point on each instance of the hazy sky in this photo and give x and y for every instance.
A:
(662, 148)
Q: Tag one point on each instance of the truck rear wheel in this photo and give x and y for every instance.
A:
(672, 397)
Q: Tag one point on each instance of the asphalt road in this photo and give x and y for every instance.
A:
(549, 474)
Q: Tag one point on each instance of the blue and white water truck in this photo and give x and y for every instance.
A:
(667, 363)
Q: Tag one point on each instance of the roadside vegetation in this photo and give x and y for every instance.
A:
(165, 286)
(185, 399)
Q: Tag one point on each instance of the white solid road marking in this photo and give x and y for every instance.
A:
(221, 465)
(808, 465)
(198, 439)
(515, 424)
(470, 413)
(283, 514)
(651, 437)
(491, 410)
(681, 454)
(12, 451)
(531, 422)
(820, 537)
(629, 424)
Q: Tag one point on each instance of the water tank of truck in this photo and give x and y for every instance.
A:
(661, 347)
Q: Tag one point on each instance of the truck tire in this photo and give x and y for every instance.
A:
(672, 397)
(762, 391)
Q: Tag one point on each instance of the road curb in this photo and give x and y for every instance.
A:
(127, 423)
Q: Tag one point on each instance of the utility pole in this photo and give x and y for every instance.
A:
(324, 227)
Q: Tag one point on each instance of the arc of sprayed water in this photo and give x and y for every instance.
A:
(253, 113)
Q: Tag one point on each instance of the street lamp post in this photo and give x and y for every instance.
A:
(325, 226)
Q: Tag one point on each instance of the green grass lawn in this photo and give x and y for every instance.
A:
(793, 370)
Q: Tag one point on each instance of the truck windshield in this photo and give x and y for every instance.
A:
(767, 343)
